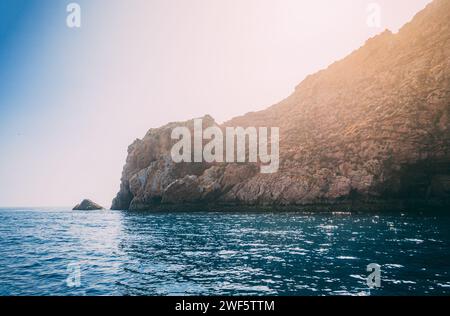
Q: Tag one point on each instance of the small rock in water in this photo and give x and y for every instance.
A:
(87, 205)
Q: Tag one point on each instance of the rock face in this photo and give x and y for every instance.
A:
(87, 205)
(370, 131)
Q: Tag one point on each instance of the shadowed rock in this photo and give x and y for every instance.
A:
(87, 205)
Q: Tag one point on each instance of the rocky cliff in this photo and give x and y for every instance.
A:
(370, 131)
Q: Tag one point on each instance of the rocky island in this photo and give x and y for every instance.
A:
(370, 132)
(87, 205)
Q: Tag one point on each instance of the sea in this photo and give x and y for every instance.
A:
(60, 252)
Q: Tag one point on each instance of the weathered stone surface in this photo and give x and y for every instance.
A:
(87, 205)
(370, 128)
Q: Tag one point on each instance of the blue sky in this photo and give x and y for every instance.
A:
(72, 100)
(29, 29)
(35, 78)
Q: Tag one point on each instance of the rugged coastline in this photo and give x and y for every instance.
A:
(370, 132)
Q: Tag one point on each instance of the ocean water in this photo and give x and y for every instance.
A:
(63, 252)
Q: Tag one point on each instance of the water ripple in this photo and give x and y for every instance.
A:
(124, 253)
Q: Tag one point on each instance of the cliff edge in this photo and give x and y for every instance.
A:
(371, 131)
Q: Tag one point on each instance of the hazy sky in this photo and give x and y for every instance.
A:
(72, 100)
